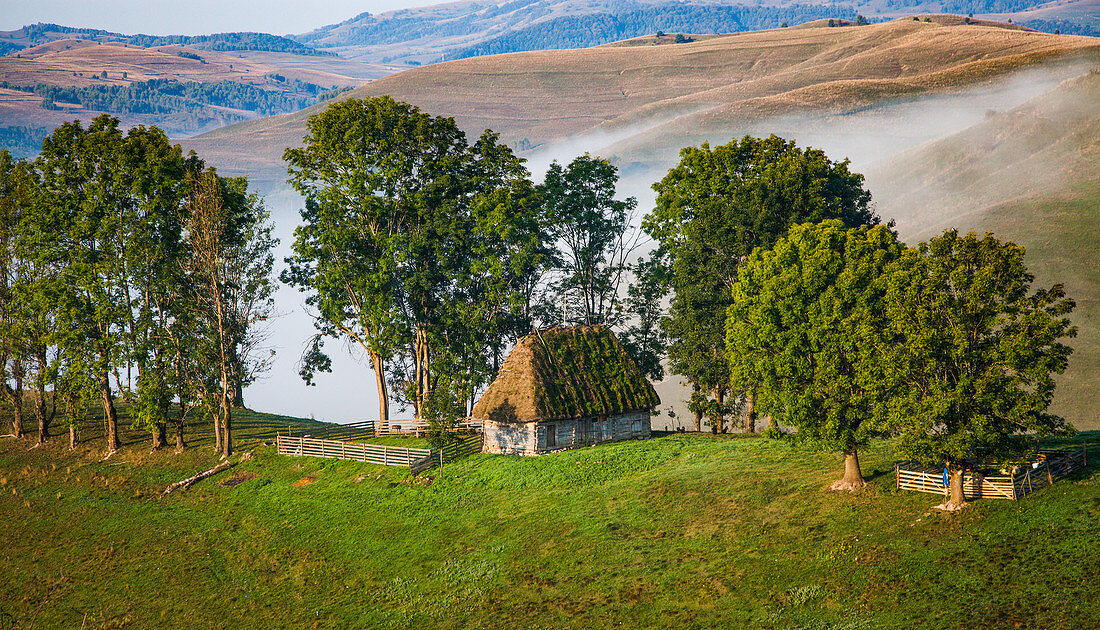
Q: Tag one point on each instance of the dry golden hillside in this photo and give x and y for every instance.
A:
(1030, 175)
(82, 63)
(684, 90)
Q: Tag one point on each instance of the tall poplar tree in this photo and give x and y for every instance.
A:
(87, 207)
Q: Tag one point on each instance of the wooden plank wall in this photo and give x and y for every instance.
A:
(419, 427)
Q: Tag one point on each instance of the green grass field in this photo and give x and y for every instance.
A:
(680, 531)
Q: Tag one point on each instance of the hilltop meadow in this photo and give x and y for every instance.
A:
(683, 530)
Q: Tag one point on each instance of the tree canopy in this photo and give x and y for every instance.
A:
(97, 301)
(414, 245)
(713, 209)
(807, 332)
(971, 370)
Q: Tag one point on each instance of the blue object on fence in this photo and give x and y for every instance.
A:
(946, 478)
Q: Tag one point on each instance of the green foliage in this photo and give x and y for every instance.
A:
(412, 239)
(165, 96)
(972, 368)
(713, 209)
(218, 41)
(806, 331)
(591, 227)
(644, 338)
(105, 291)
(1061, 27)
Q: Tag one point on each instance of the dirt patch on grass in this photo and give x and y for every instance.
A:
(304, 481)
(236, 479)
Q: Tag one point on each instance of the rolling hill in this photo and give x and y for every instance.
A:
(64, 79)
(663, 97)
(1028, 174)
(468, 28)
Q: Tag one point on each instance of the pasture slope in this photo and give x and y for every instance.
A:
(681, 531)
(1031, 175)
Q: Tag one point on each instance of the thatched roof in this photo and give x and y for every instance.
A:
(566, 373)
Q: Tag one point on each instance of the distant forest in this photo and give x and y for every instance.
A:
(164, 96)
(963, 7)
(1065, 27)
(582, 31)
(218, 41)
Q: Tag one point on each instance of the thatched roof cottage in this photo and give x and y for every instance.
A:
(564, 388)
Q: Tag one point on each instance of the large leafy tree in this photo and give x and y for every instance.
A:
(410, 240)
(712, 210)
(807, 331)
(16, 199)
(109, 209)
(971, 372)
(28, 294)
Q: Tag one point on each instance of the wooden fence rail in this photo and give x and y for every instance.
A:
(1050, 465)
(417, 459)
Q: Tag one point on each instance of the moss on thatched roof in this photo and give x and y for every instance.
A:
(566, 373)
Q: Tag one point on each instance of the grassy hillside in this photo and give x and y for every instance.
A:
(679, 531)
(1029, 175)
(667, 97)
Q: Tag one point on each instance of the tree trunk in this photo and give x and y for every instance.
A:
(956, 499)
(227, 411)
(17, 409)
(43, 424)
(238, 394)
(383, 396)
(853, 478)
(720, 413)
(422, 374)
(160, 436)
(44, 417)
(72, 436)
(180, 445)
(698, 420)
(217, 433)
(113, 443)
(750, 413)
(15, 397)
(227, 424)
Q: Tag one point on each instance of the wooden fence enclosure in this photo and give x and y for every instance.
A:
(1048, 466)
(417, 459)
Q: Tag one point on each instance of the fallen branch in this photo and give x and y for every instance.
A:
(187, 483)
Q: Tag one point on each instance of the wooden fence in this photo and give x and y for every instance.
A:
(1047, 467)
(370, 428)
(417, 459)
(420, 427)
